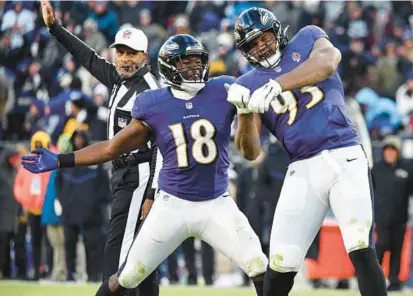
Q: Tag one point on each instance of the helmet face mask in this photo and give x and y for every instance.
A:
(189, 68)
(260, 37)
(262, 48)
(183, 61)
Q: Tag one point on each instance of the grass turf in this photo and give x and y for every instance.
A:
(13, 288)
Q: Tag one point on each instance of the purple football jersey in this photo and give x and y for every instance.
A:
(307, 120)
(192, 136)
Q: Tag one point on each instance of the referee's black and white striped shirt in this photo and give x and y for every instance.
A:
(123, 91)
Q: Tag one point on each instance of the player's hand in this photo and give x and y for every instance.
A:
(239, 96)
(43, 160)
(47, 11)
(147, 205)
(261, 98)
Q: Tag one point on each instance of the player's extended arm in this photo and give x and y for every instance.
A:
(132, 137)
(321, 64)
(247, 137)
(135, 135)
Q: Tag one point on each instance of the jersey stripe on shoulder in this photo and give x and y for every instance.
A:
(151, 81)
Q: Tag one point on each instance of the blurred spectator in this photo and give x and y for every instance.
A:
(397, 26)
(388, 75)
(51, 218)
(164, 12)
(82, 191)
(355, 63)
(98, 114)
(128, 11)
(30, 84)
(392, 183)
(286, 12)
(52, 117)
(18, 20)
(381, 114)
(106, 19)
(356, 22)
(29, 191)
(404, 99)
(405, 63)
(181, 25)
(156, 35)
(92, 36)
(8, 205)
(222, 61)
(17, 238)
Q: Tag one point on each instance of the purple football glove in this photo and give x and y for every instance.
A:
(43, 161)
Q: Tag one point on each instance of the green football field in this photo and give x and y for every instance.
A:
(9, 288)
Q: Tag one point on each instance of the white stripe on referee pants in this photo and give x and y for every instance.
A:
(134, 211)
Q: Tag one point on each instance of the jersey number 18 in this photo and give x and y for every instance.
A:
(204, 150)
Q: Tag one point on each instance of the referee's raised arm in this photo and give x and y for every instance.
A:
(103, 70)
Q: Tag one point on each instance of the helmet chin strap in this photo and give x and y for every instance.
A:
(192, 88)
(187, 90)
(272, 61)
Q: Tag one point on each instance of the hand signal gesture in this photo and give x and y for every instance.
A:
(48, 14)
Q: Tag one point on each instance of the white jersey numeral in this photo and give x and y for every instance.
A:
(202, 132)
(288, 102)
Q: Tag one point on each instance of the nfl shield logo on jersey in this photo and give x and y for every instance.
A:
(296, 57)
(188, 105)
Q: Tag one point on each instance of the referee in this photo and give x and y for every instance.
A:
(133, 177)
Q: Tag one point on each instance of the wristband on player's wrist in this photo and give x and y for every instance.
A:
(243, 111)
(66, 160)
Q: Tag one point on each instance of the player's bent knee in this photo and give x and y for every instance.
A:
(286, 258)
(132, 275)
(356, 235)
(251, 257)
(256, 265)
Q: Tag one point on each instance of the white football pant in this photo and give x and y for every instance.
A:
(336, 179)
(171, 220)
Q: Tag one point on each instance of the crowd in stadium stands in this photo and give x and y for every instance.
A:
(42, 88)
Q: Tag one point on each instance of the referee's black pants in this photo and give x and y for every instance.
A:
(128, 187)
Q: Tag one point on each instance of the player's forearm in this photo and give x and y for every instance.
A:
(134, 136)
(316, 69)
(247, 138)
(90, 155)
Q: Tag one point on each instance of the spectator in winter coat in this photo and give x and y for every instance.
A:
(84, 194)
(393, 184)
(8, 205)
(51, 218)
